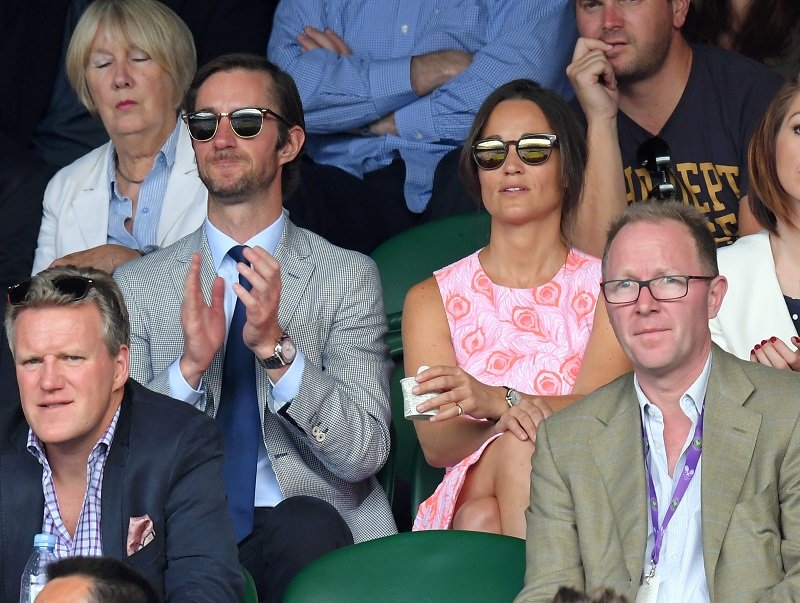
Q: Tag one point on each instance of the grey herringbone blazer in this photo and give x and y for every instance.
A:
(331, 439)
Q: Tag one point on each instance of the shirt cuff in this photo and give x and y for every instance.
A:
(288, 386)
(415, 121)
(179, 389)
(390, 84)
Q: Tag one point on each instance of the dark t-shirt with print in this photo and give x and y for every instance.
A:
(707, 135)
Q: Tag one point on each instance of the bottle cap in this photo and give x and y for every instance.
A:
(44, 540)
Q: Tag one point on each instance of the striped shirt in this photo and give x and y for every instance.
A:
(87, 539)
(151, 199)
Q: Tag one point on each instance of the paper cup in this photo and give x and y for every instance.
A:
(411, 401)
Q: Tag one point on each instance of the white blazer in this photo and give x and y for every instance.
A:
(77, 200)
(753, 308)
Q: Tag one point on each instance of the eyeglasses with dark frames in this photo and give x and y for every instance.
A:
(532, 149)
(662, 288)
(245, 122)
(75, 286)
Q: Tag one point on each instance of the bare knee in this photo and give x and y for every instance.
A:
(478, 515)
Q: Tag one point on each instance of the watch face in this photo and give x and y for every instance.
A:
(288, 349)
(513, 397)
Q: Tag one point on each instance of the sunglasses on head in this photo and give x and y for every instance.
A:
(245, 122)
(74, 286)
(533, 149)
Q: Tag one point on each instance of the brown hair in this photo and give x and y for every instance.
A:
(768, 199)
(282, 90)
(562, 120)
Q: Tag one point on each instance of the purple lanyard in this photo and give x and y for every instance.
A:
(692, 458)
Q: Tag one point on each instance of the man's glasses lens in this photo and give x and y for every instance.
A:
(74, 286)
(202, 126)
(245, 123)
(663, 288)
(490, 154)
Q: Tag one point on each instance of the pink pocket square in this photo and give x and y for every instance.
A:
(140, 533)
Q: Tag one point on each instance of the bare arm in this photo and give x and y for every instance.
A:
(426, 341)
(604, 359)
(604, 186)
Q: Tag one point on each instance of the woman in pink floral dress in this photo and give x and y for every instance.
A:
(515, 331)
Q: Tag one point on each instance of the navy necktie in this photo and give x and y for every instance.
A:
(238, 417)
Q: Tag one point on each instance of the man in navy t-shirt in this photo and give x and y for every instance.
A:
(664, 118)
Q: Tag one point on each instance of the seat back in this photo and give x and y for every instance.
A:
(432, 565)
(403, 261)
(413, 255)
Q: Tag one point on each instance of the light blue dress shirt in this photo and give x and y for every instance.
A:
(268, 492)
(681, 569)
(151, 199)
(509, 39)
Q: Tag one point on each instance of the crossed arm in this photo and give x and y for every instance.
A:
(434, 93)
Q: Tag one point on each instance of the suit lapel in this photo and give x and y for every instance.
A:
(185, 196)
(619, 455)
(115, 510)
(89, 208)
(729, 439)
(292, 253)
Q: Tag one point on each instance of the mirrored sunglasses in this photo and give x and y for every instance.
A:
(245, 123)
(533, 149)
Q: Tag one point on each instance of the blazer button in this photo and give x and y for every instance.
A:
(318, 434)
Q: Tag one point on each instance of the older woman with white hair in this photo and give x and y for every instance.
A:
(130, 62)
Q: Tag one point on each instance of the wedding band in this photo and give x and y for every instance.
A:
(460, 410)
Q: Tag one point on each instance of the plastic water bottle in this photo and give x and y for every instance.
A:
(35, 575)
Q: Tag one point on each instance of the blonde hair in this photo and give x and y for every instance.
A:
(144, 24)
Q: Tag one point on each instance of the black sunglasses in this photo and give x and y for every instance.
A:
(245, 122)
(75, 286)
(533, 149)
(654, 154)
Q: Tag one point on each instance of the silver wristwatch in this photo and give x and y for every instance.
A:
(285, 351)
(513, 397)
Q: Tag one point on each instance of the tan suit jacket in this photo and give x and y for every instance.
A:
(587, 524)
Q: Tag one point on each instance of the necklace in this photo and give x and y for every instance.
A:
(122, 174)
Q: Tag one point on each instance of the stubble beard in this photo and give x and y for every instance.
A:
(235, 191)
(649, 60)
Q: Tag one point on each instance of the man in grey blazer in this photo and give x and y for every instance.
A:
(313, 332)
(695, 441)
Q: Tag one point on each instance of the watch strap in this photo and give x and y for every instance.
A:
(276, 360)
